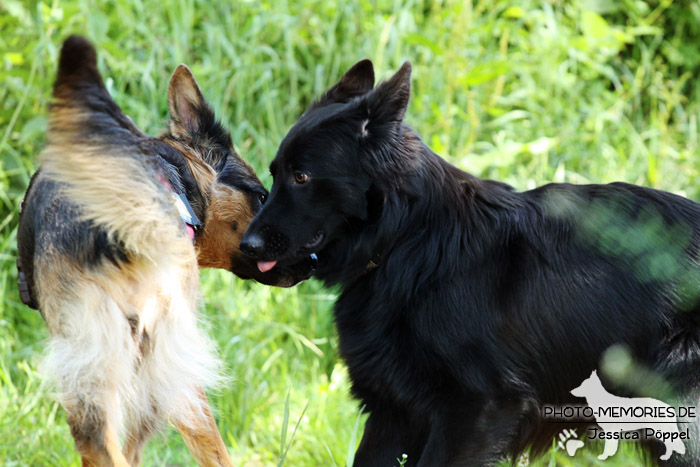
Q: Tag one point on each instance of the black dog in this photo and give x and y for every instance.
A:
(465, 306)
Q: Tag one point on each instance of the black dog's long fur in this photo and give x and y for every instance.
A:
(465, 306)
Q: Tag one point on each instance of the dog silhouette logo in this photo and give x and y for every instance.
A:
(616, 415)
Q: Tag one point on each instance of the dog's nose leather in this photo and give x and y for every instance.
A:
(253, 245)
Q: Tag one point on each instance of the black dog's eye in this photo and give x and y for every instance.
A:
(262, 197)
(300, 177)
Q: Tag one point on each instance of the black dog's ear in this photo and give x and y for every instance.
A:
(389, 100)
(186, 103)
(357, 81)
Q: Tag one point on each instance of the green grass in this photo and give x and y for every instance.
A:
(575, 91)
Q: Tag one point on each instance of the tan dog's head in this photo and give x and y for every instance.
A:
(223, 189)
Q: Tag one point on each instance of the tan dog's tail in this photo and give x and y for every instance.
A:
(94, 150)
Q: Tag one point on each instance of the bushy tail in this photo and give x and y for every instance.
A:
(94, 150)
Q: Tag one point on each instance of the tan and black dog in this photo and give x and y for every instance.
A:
(113, 228)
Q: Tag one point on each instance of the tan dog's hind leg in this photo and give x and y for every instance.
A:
(96, 440)
(203, 438)
(92, 355)
(136, 438)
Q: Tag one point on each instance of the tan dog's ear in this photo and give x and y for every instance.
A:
(186, 103)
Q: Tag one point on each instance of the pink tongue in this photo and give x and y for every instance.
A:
(265, 266)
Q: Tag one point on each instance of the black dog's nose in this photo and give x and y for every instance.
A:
(253, 245)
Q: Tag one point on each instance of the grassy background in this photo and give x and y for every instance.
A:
(525, 92)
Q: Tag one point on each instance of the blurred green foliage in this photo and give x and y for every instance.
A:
(525, 92)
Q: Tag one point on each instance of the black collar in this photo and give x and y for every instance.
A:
(25, 294)
(184, 208)
(175, 174)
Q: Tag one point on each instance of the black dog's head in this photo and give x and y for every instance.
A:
(326, 168)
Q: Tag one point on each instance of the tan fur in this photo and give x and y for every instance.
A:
(227, 217)
(133, 377)
(183, 91)
(126, 347)
(206, 448)
(109, 455)
(123, 199)
(203, 173)
(219, 243)
(228, 211)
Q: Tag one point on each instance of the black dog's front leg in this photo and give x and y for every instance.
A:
(479, 431)
(471, 434)
(388, 435)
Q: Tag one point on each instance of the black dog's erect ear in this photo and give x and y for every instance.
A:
(357, 81)
(185, 102)
(389, 100)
